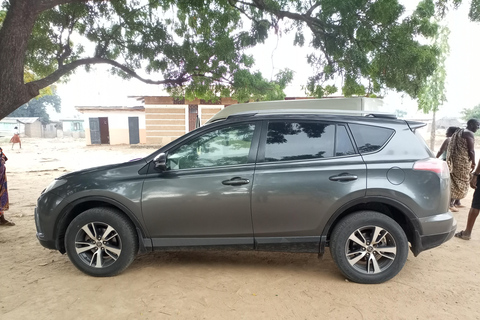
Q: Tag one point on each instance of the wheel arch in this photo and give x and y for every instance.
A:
(389, 207)
(78, 206)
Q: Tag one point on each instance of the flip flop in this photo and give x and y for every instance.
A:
(462, 235)
(453, 209)
(7, 224)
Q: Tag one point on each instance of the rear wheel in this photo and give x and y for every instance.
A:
(101, 242)
(369, 247)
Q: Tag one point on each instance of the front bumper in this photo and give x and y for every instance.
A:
(49, 244)
(46, 214)
(436, 230)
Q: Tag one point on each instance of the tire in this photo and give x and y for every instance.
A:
(101, 258)
(364, 260)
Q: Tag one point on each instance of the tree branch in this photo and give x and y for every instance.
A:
(309, 11)
(63, 70)
(43, 5)
(313, 23)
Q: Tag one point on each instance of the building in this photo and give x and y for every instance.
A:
(158, 121)
(72, 127)
(166, 118)
(161, 119)
(27, 126)
(114, 125)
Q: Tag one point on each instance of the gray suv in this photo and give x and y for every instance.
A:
(366, 186)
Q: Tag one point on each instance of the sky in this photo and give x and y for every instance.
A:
(99, 88)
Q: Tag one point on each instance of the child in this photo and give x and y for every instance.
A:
(16, 138)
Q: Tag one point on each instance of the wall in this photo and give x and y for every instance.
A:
(50, 131)
(34, 130)
(165, 123)
(167, 119)
(117, 125)
(205, 112)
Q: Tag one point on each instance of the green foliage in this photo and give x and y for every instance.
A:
(370, 45)
(38, 108)
(197, 48)
(474, 13)
(253, 87)
(432, 95)
(443, 6)
(473, 113)
(3, 13)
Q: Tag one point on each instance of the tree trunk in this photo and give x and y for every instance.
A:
(14, 36)
(433, 131)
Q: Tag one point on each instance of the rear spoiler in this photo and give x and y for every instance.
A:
(415, 124)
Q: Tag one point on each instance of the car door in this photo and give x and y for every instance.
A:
(306, 170)
(203, 197)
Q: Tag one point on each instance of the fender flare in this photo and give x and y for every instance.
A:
(120, 206)
(410, 216)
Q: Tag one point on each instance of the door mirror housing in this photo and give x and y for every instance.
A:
(160, 162)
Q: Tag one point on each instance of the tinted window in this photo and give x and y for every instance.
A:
(227, 146)
(296, 141)
(370, 138)
(344, 145)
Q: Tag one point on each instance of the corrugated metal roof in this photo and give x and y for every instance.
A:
(24, 120)
(112, 108)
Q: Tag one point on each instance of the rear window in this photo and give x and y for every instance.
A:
(306, 140)
(299, 141)
(369, 138)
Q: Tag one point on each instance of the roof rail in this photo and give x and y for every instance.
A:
(366, 113)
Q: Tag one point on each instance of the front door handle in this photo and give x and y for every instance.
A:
(343, 177)
(237, 181)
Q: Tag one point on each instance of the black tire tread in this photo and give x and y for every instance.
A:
(124, 225)
(354, 221)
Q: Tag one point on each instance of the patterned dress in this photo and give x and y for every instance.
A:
(4, 204)
(459, 164)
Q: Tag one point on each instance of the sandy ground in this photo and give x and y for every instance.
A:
(37, 283)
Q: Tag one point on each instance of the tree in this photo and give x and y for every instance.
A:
(432, 95)
(473, 113)
(443, 6)
(198, 47)
(366, 43)
(38, 108)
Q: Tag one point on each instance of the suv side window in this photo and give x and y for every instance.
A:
(221, 147)
(370, 138)
(299, 141)
(344, 145)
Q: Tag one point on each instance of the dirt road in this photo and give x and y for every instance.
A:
(36, 283)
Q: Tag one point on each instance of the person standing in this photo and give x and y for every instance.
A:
(442, 153)
(4, 203)
(475, 207)
(461, 161)
(16, 138)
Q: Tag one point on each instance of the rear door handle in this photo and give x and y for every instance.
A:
(237, 181)
(343, 177)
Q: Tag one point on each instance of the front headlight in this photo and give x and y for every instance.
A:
(55, 184)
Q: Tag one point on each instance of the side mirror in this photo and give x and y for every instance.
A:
(160, 162)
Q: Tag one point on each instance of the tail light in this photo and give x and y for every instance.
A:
(432, 164)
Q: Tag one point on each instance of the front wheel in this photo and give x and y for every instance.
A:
(369, 247)
(101, 242)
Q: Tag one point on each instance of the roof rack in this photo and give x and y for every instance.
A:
(366, 113)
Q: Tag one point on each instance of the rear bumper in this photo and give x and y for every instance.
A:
(436, 230)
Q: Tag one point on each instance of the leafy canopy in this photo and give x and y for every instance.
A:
(433, 95)
(366, 45)
(197, 48)
(473, 113)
